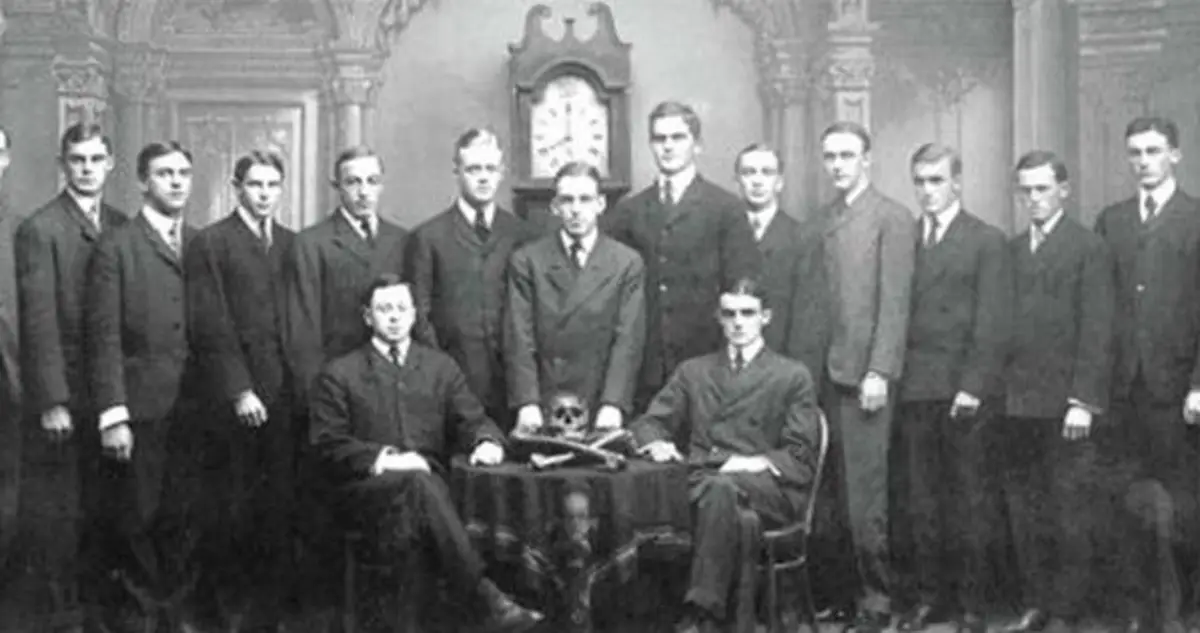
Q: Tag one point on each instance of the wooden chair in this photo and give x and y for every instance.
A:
(775, 552)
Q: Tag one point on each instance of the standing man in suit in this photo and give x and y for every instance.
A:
(869, 249)
(759, 173)
(382, 419)
(692, 236)
(576, 310)
(957, 334)
(138, 352)
(1154, 237)
(53, 246)
(1056, 382)
(753, 443)
(234, 272)
(458, 263)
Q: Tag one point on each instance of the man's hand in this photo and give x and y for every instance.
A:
(56, 422)
(529, 419)
(608, 418)
(1077, 425)
(749, 464)
(486, 453)
(873, 392)
(1191, 407)
(402, 462)
(965, 405)
(661, 451)
(250, 410)
(117, 441)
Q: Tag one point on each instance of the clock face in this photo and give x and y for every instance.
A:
(568, 123)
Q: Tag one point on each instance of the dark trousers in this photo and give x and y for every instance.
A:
(715, 499)
(941, 504)
(396, 511)
(1050, 494)
(1159, 522)
(864, 439)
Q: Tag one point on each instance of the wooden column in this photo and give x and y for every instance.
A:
(352, 82)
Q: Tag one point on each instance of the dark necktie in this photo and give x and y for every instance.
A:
(394, 355)
(264, 234)
(931, 227)
(576, 253)
(756, 226)
(666, 193)
(739, 361)
(481, 226)
(1151, 208)
(173, 238)
(365, 223)
(1038, 231)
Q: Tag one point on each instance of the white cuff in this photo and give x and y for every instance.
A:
(377, 467)
(114, 416)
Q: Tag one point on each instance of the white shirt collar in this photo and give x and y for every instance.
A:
(944, 218)
(468, 212)
(764, 217)
(1162, 194)
(162, 224)
(588, 242)
(385, 349)
(1038, 234)
(749, 352)
(857, 191)
(680, 181)
(89, 206)
(372, 219)
(252, 221)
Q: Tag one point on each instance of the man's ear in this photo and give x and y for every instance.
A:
(766, 315)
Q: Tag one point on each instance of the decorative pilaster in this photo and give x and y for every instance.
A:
(851, 63)
(352, 84)
(791, 74)
(82, 87)
(1041, 54)
(140, 81)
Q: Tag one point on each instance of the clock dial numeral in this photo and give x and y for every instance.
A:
(568, 123)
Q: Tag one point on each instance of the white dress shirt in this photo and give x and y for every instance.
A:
(372, 220)
(680, 181)
(761, 219)
(256, 226)
(856, 192)
(1162, 195)
(749, 352)
(944, 218)
(587, 244)
(90, 206)
(469, 212)
(1038, 234)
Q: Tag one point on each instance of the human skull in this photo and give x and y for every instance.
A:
(568, 416)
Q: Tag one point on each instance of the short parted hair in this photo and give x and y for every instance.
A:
(256, 157)
(353, 153)
(1159, 124)
(849, 127)
(154, 150)
(932, 153)
(747, 287)
(577, 168)
(1041, 158)
(679, 109)
(756, 147)
(472, 137)
(383, 280)
(81, 132)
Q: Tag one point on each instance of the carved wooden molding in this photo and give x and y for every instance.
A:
(352, 77)
(87, 77)
(141, 73)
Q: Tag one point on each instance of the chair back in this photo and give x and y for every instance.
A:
(822, 453)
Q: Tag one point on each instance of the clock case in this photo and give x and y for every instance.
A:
(603, 61)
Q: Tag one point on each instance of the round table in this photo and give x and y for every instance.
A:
(568, 527)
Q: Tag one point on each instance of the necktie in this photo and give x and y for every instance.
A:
(1151, 208)
(931, 227)
(173, 238)
(365, 223)
(93, 216)
(756, 225)
(394, 355)
(739, 361)
(576, 253)
(481, 227)
(1037, 234)
(264, 233)
(667, 195)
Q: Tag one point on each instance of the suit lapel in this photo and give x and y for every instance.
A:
(87, 229)
(164, 251)
(775, 236)
(736, 388)
(561, 272)
(347, 238)
(682, 208)
(939, 257)
(866, 202)
(1176, 206)
(587, 281)
(465, 233)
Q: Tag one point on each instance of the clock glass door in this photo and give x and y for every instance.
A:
(569, 123)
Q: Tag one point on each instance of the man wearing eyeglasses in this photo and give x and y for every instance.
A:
(576, 311)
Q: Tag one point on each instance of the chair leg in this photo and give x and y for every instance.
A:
(350, 597)
(774, 617)
(810, 606)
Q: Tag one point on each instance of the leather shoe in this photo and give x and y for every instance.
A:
(869, 622)
(1033, 619)
(917, 618)
(971, 623)
(506, 616)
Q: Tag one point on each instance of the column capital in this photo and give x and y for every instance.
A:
(790, 69)
(352, 77)
(141, 72)
(81, 76)
(850, 68)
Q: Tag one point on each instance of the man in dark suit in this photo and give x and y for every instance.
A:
(234, 272)
(458, 262)
(754, 440)
(333, 262)
(869, 243)
(137, 351)
(381, 419)
(53, 246)
(759, 174)
(692, 236)
(576, 310)
(957, 333)
(1056, 382)
(1154, 238)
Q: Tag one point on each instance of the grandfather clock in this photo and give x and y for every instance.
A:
(569, 102)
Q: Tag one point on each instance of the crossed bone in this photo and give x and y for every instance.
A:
(596, 449)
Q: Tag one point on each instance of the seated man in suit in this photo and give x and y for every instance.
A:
(576, 313)
(753, 422)
(381, 419)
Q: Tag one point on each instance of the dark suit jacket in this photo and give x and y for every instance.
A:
(330, 267)
(235, 310)
(459, 286)
(1062, 323)
(779, 248)
(1158, 307)
(961, 312)
(361, 403)
(810, 315)
(53, 247)
(573, 330)
(136, 340)
(869, 255)
(690, 250)
(769, 408)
